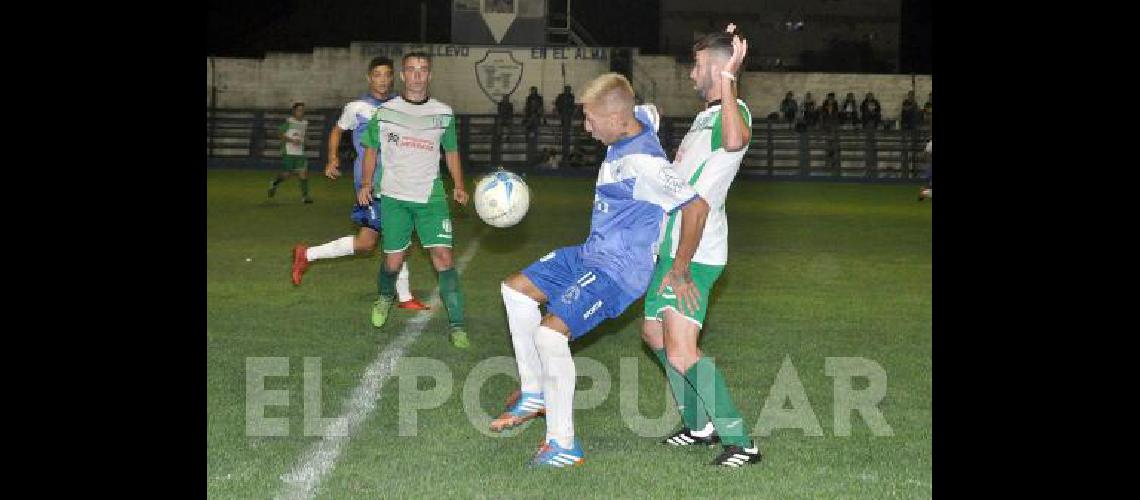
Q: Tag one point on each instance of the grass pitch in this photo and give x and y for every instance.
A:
(816, 271)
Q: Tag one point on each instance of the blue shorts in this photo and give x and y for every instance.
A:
(367, 216)
(580, 296)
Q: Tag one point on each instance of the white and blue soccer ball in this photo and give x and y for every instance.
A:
(501, 198)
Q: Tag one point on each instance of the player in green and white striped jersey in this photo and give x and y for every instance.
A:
(292, 132)
(415, 130)
(709, 158)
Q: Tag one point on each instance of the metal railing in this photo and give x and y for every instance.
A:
(248, 138)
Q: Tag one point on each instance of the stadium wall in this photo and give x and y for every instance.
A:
(468, 78)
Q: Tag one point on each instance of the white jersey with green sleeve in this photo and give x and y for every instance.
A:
(413, 137)
(294, 129)
(709, 168)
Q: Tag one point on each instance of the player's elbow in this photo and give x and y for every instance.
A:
(736, 143)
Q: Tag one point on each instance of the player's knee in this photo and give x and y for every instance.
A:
(441, 258)
(681, 361)
(515, 282)
(651, 334)
(521, 284)
(393, 261)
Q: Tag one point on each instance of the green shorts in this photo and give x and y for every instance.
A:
(704, 275)
(296, 163)
(431, 221)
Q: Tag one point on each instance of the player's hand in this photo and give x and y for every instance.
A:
(681, 281)
(332, 168)
(460, 195)
(364, 196)
(739, 50)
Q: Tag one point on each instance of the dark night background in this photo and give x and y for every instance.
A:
(250, 28)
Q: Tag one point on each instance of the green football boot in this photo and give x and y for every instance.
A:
(459, 337)
(380, 310)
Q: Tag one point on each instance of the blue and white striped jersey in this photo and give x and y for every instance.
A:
(636, 187)
(355, 118)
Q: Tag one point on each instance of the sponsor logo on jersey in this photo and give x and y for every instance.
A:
(416, 143)
(670, 180)
(593, 309)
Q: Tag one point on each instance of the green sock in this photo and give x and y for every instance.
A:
(692, 411)
(451, 296)
(713, 392)
(386, 280)
(305, 188)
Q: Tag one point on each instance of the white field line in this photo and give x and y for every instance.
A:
(320, 458)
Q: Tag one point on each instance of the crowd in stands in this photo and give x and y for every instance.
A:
(827, 115)
(867, 114)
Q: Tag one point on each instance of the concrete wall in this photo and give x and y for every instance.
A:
(329, 77)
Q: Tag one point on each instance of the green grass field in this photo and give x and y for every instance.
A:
(816, 270)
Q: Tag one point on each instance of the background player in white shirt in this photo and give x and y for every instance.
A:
(586, 284)
(293, 159)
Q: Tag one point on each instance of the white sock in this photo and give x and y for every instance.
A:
(557, 385)
(403, 288)
(331, 250)
(523, 318)
(704, 433)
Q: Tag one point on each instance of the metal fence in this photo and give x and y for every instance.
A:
(248, 138)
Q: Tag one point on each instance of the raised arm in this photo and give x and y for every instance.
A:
(736, 132)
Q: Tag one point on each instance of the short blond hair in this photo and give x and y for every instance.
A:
(611, 90)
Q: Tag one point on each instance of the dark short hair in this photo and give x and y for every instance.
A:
(381, 61)
(298, 105)
(719, 42)
(418, 55)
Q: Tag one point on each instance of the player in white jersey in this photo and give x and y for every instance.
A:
(355, 118)
(709, 158)
(585, 284)
(415, 130)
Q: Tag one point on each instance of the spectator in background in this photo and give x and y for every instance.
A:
(789, 107)
(564, 105)
(533, 111)
(926, 108)
(871, 111)
(850, 113)
(810, 113)
(506, 114)
(909, 115)
(830, 111)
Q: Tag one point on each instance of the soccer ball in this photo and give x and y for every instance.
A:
(501, 198)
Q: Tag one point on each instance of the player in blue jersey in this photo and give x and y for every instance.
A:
(355, 118)
(586, 284)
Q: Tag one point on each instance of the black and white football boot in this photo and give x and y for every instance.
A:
(689, 437)
(736, 456)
